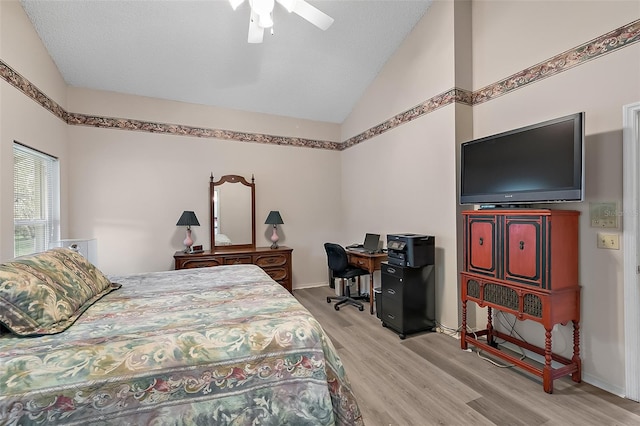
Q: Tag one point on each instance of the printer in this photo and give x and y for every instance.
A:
(411, 250)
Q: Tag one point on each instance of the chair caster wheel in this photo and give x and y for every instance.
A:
(384, 325)
(337, 307)
(328, 299)
(361, 308)
(402, 336)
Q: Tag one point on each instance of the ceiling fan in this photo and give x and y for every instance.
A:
(262, 15)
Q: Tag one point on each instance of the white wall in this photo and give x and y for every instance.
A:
(22, 119)
(128, 189)
(414, 188)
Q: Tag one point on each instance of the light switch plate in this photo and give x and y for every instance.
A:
(603, 215)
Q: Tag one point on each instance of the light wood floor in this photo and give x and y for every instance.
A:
(427, 379)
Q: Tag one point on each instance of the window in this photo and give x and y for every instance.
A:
(36, 202)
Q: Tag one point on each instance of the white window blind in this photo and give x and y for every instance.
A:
(36, 206)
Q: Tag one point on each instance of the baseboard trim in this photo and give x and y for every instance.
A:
(310, 285)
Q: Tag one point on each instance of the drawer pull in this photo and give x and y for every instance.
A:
(392, 270)
(521, 245)
(391, 316)
(391, 291)
(481, 241)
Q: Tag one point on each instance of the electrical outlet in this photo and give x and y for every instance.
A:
(608, 241)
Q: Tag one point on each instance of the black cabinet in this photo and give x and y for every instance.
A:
(408, 298)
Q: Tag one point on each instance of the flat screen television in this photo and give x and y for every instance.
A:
(540, 163)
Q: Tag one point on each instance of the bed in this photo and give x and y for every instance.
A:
(212, 346)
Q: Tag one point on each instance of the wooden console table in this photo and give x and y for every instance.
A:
(524, 262)
(370, 262)
(275, 262)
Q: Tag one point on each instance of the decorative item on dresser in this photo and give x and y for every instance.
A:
(523, 262)
(274, 219)
(188, 219)
(235, 212)
(232, 211)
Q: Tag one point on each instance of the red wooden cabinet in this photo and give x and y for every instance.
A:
(524, 262)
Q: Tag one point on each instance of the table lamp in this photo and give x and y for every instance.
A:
(188, 219)
(274, 219)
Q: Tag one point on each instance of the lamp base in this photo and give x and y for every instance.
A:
(274, 238)
(188, 242)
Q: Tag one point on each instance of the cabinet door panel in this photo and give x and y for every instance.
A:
(481, 246)
(522, 252)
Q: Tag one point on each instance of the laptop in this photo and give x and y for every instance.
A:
(371, 244)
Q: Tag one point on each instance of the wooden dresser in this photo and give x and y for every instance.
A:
(275, 262)
(523, 262)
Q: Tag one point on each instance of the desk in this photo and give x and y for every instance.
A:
(370, 262)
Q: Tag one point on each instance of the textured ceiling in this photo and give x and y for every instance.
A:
(197, 51)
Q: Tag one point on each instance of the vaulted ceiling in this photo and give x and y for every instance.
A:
(197, 51)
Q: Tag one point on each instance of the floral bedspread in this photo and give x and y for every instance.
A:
(211, 346)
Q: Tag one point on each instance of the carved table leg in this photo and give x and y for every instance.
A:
(463, 330)
(547, 381)
(577, 376)
(490, 340)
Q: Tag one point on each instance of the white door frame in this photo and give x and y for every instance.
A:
(631, 238)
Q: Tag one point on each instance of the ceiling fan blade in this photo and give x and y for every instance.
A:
(256, 32)
(235, 3)
(313, 15)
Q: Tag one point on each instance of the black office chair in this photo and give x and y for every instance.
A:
(340, 268)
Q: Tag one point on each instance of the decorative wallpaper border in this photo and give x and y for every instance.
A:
(605, 44)
(25, 86)
(438, 101)
(199, 132)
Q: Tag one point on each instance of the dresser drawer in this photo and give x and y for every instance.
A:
(200, 262)
(278, 274)
(268, 260)
(237, 260)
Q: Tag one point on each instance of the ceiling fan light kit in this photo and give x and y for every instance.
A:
(262, 15)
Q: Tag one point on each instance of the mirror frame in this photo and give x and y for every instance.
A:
(212, 188)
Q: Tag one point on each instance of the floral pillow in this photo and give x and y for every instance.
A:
(45, 293)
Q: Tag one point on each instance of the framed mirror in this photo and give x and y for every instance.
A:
(232, 212)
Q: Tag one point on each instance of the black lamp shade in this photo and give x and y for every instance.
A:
(188, 218)
(274, 218)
